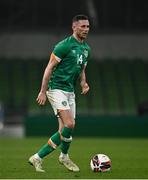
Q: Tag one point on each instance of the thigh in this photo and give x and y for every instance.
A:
(58, 100)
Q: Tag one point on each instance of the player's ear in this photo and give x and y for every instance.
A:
(74, 24)
(73, 27)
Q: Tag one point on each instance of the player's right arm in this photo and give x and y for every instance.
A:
(54, 60)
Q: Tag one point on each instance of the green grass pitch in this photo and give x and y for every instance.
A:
(129, 158)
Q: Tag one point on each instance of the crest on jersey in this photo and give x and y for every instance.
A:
(85, 53)
(64, 103)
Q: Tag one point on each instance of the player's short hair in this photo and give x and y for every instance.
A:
(79, 17)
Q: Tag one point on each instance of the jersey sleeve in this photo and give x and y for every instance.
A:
(60, 50)
(88, 57)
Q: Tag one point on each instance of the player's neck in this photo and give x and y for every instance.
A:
(78, 38)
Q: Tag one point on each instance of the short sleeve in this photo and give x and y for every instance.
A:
(60, 50)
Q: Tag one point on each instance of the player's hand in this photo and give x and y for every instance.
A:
(41, 99)
(85, 88)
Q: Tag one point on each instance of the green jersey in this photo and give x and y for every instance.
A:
(73, 56)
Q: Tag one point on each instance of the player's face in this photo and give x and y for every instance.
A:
(81, 29)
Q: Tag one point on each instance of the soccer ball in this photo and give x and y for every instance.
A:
(100, 163)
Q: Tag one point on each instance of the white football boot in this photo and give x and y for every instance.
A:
(67, 162)
(37, 163)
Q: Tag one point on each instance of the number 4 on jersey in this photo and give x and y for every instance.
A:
(79, 59)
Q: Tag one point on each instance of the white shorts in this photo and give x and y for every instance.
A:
(62, 100)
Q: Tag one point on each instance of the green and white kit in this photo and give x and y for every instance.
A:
(73, 56)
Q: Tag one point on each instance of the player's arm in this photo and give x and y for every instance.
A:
(54, 60)
(83, 83)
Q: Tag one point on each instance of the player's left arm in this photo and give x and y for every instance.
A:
(84, 85)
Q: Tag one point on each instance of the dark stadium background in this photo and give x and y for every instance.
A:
(111, 119)
(117, 71)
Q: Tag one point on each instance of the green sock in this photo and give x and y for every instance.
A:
(45, 150)
(56, 139)
(66, 133)
(65, 147)
(50, 146)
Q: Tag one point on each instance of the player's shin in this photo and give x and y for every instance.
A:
(65, 146)
(53, 142)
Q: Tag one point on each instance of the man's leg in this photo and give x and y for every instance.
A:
(65, 145)
(66, 137)
(36, 160)
(56, 97)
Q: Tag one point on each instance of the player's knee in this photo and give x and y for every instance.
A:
(70, 124)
